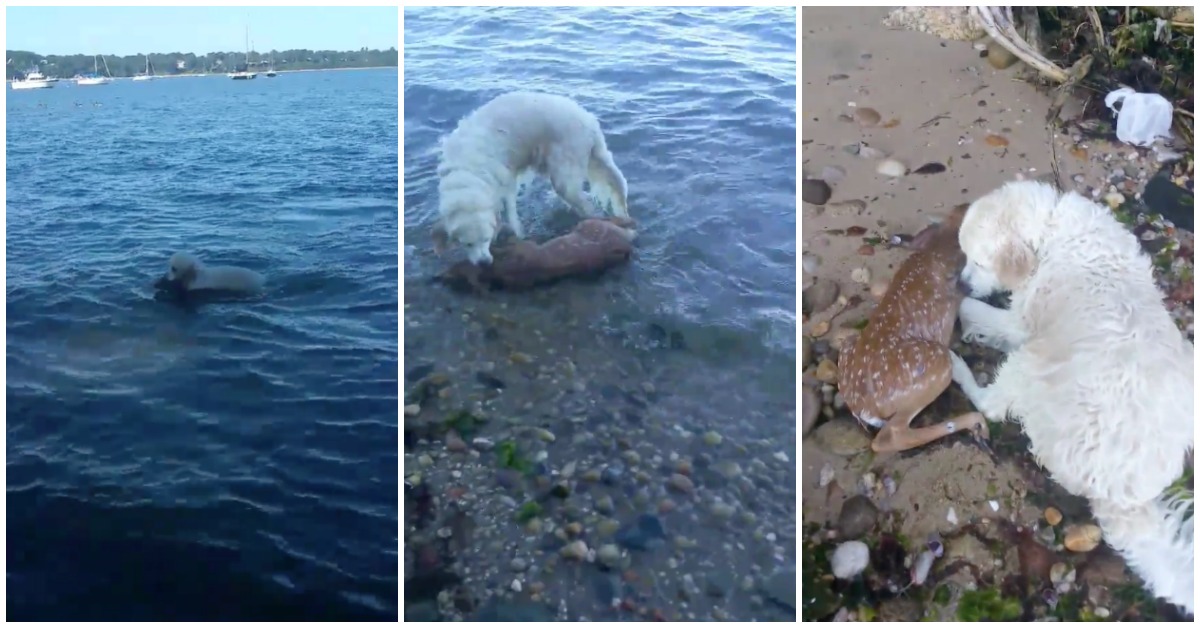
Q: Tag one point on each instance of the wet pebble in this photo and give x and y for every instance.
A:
(811, 409)
(1082, 538)
(999, 57)
(815, 191)
(612, 473)
(820, 296)
(780, 586)
(643, 533)
(857, 517)
(849, 559)
(575, 550)
(609, 555)
(604, 505)
(518, 565)
(1053, 515)
(842, 437)
(681, 484)
(827, 371)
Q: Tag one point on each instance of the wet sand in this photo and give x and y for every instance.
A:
(938, 102)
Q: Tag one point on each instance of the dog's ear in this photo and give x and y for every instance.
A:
(441, 239)
(1015, 263)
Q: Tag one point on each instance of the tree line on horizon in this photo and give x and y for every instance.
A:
(68, 66)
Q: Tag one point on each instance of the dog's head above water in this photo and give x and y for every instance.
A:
(469, 222)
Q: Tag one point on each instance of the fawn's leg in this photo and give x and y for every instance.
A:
(898, 436)
(916, 372)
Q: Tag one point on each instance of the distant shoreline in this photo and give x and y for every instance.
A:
(222, 72)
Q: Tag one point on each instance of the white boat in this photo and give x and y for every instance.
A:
(32, 80)
(94, 78)
(243, 73)
(271, 73)
(148, 76)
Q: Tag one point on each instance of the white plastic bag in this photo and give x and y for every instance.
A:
(1143, 117)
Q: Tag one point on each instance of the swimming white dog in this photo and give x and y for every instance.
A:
(190, 274)
(1096, 372)
(484, 160)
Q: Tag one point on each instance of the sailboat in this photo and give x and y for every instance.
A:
(94, 78)
(242, 72)
(271, 73)
(148, 75)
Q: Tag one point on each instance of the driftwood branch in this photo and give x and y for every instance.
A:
(997, 21)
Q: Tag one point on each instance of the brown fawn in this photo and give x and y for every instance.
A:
(901, 361)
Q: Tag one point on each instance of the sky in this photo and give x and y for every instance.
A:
(134, 30)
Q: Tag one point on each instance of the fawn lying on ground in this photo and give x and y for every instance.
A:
(902, 360)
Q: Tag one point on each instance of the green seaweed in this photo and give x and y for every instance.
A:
(987, 605)
(941, 595)
(820, 600)
(861, 324)
(528, 511)
(465, 422)
(508, 455)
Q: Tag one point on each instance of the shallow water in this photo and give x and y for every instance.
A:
(628, 371)
(236, 460)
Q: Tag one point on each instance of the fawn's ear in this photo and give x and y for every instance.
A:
(441, 239)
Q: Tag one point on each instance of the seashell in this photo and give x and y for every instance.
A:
(1062, 576)
(921, 567)
(996, 140)
(891, 168)
(867, 116)
(860, 275)
(811, 262)
(866, 152)
(826, 476)
(932, 167)
(1082, 538)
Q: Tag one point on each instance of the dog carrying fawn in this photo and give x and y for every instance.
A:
(902, 360)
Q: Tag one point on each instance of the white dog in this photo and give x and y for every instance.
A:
(495, 147)
(189, 273)
(1096, 372)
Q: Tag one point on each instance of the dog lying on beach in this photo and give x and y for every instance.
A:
(1096, 371)
(186, 274)
(593, 246)
(902, 360)
(485, 158)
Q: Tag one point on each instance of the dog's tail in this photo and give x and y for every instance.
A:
(607, 182)
(1157, 540)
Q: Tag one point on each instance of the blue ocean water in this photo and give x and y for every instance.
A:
(235, 460)
(698, 107)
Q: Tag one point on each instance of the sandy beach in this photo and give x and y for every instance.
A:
(871, 93)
